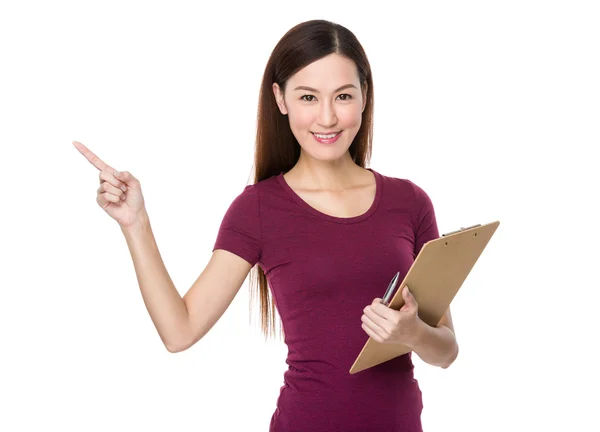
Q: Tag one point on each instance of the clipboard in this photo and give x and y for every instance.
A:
(434, 278)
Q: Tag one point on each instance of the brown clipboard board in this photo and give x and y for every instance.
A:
(434, 278)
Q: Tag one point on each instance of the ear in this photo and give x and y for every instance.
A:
(279, 99)
(365, 87)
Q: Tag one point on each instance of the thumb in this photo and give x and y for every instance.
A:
(409, 300)
(124, 176)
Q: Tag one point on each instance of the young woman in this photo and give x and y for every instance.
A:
(327, 234)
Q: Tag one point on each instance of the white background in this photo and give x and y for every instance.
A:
(491, 107)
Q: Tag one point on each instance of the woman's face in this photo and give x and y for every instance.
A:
(324, 98)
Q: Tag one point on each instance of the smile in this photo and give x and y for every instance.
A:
(326, 138)
(323, 136)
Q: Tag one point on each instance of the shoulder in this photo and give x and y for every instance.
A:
(405, 188)
(250, 197)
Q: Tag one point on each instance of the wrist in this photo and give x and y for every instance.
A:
(141, 223)
(419, 334)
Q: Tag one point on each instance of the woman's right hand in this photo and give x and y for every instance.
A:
(120, 196)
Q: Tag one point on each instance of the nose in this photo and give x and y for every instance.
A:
(327, 116)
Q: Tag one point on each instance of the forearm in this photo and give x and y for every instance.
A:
(164, 304)
(435, 345)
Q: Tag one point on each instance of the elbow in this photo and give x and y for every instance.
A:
(179, 341)
(172, 348)
(451, 359)
(182, 341)
(178, 346)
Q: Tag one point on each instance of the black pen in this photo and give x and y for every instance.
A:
(389, 293)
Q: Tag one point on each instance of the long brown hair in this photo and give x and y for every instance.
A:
(276, 147)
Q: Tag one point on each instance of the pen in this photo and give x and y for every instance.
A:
(389, 293)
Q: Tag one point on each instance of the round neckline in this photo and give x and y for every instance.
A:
(330, 218)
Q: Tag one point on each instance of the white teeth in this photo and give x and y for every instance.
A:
(325, 136)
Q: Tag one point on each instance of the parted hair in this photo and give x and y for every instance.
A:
(276, 148)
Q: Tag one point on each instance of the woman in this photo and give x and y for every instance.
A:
(327, 235)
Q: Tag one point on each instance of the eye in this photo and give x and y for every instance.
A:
(343, 96)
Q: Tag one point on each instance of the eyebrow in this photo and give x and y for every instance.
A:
(317, 91)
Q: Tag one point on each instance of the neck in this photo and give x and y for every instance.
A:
(332, 176)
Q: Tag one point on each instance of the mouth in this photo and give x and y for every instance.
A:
(328, 138)
(329, 135)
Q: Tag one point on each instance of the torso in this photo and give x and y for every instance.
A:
(345, 204)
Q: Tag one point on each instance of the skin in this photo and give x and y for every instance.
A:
(329, 169)
(325, 167)
(120, 193)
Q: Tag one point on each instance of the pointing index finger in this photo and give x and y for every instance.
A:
(91, 157)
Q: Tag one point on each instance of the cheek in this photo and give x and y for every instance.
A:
(350, 117)
(301, 119)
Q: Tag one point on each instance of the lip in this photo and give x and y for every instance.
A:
(327, 141)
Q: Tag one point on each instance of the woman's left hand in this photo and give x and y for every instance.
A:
(389, 326)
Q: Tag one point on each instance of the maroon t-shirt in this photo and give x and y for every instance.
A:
(322, 271)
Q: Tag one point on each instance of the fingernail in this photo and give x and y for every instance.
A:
(117, 173)
(124, 188)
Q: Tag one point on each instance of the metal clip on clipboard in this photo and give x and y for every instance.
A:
(460, 230)
(434, 278)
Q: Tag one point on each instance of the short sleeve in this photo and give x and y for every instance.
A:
(425, 224)
(240, 231)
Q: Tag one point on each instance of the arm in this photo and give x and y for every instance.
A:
(181, 322)
(436, 345)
